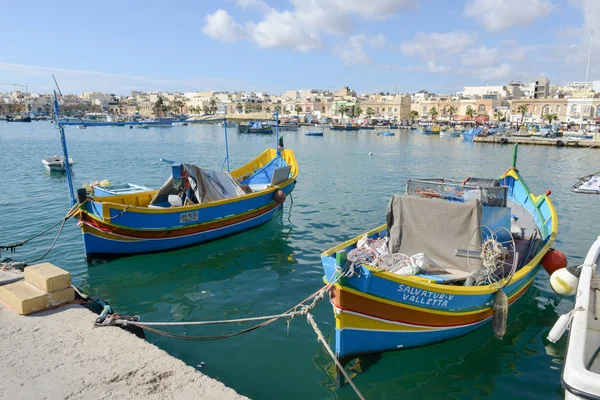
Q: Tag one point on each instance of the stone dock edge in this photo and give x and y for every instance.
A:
(59, 354)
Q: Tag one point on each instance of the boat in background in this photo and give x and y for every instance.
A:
(470, 134)
(344, 127)
(18, 118)
(230, 124)
(313, 133)
(366, 127)
(589, 184)
(289, 126)
(449, 133)
(581, 367)
(429, 130)
(388, 133)
(163, 122)
(456, 250)
(56, 163)
(255, 127)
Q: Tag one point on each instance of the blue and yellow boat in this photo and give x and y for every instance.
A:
(379, 308)
(192, 207)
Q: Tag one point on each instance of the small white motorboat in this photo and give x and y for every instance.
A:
(589, 184)
(581, 372)
(81, 127)
(56, 163)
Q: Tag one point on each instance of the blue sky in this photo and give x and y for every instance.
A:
(274, 45)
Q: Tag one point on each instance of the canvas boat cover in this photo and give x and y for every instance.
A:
(206, 185)
(436, 228)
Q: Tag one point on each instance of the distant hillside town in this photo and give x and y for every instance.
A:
(532, 102)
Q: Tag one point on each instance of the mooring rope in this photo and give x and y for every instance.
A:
(11, 247)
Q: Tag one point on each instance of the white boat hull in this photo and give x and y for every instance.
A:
(581, 373)
(56, 164)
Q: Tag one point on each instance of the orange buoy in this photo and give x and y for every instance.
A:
(554, 260)
(279, 196)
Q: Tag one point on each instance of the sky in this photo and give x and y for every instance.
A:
(276, 45)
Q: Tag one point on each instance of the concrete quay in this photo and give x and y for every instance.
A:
(557, 142)
(58, 353)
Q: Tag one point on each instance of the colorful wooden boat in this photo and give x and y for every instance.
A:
(429, 130)
(378, 310)
(173, 217)
(313, 133)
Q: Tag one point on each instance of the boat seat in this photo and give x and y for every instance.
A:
(257, 187)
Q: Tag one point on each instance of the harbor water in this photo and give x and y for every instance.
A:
(342, 191)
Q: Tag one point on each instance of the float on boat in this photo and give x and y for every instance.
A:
(56, 163)
(451, 252)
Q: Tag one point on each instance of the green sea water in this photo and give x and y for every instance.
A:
(341, 192)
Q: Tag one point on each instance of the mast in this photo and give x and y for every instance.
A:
(226, 143)
(64, 147)
(587, 69)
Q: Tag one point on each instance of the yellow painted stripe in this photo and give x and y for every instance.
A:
(352, 321)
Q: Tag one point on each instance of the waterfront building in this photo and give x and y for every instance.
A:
(537, 109)
(541, 88)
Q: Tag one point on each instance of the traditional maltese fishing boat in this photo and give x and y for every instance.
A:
(452, 256)
(193, 206)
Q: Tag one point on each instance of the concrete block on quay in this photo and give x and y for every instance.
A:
(48, 277)
(58, 354)
(61, 296)
(23, 297)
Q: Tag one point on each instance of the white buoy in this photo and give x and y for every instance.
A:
(370, 154)
(560, 327)
(564, 282)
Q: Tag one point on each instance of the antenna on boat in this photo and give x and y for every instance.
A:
(63, 141)
(56, 83)
(226, 144)
(587, 69)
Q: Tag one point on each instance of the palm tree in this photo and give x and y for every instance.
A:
(451, 111)
(413, 114)
(247, 108)
(550, 118)
(298, 109)
(370, 112)
(180, 105)
(357, 111)
(342, 110)
(277, 109)
(268, 109)
(470, 112)
(137, 109)
(213, 106)
(498, 115)
(205, 109)
(522, 109)
(259, 107)
(239, 107)
(158, 106)
(47, 109)
(286, 112)
(433, 113)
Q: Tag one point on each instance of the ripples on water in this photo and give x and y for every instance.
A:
(341, 192)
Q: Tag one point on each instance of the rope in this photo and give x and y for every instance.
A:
(72, 211)
(227, 321)
(321, 339)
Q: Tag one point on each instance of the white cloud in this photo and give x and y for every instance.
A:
(257, 5)
(221, 26)
(352, 50)
(378, 41)
(499, 72)
(497, 15)
(427, 45)
(304, 26)
(480, 57)
(437, 68)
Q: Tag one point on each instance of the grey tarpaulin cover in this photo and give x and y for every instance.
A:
(208, 185)
(436, 228)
